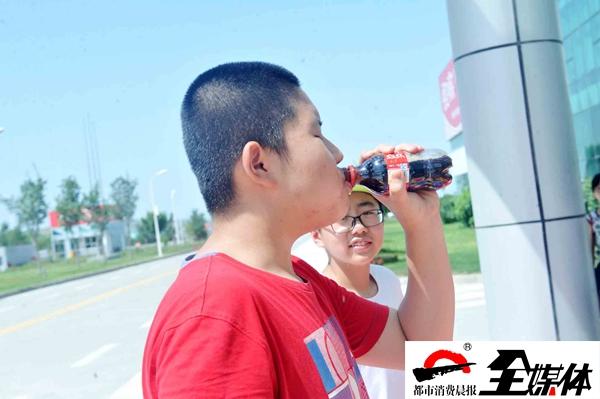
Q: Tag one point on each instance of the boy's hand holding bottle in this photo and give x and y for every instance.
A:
(410, 196)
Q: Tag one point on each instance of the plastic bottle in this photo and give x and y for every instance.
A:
(427, 170)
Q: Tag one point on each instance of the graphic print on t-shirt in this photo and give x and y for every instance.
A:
(335, 364)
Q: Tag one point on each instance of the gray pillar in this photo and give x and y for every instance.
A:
(523, 171)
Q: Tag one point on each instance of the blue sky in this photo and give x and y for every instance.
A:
(371, 68)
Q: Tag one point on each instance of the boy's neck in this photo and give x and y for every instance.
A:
(253, 241)
(353, 277)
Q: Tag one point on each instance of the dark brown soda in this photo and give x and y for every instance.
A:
(428, 170)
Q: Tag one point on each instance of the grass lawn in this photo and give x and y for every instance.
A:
(34, 275)
(460, 241)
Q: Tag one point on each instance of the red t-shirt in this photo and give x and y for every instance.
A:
(227, 330)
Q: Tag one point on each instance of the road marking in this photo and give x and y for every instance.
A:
(115, 277)
(83, 286)
(146, 324)
(471, 304)
(93, 356)
(131, 390)
(81, 304)
(469, 288)
(469, 296)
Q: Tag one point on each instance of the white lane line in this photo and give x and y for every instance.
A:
(146, 324)
(472, 288)
(471, 304)
(93, 356)
(131, 390)
(469, 296)
(7, 309)
(115, 277)
(83, 286)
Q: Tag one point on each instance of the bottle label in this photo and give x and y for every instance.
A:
(398, 161)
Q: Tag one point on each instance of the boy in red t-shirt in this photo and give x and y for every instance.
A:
(246, 319)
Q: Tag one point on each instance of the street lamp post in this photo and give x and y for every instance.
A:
(155, 211)
(175, 224)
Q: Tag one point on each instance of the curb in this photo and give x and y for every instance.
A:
(68, 279)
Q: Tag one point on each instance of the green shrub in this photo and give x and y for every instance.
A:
(463, 208)
(447, 208)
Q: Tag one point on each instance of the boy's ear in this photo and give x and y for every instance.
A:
(316, 236)
(256, 163)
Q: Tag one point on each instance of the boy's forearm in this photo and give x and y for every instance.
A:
(427, 312)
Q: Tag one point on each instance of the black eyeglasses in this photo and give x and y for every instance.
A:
(367, 219)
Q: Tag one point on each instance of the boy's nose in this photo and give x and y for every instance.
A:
(337, 154)
(358, 227)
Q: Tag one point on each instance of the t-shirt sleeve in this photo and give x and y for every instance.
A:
(211, 358)
(363, 321)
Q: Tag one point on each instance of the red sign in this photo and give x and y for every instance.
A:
(450, 104)
(54, 218)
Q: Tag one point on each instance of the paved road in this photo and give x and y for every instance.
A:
(85, 338)
(82, 339)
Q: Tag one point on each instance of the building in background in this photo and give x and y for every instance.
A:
(580, 29)
(84, 239)
(453, 130)
(16, 255)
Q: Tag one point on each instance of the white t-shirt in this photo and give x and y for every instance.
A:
(381, 383)
(384, 383)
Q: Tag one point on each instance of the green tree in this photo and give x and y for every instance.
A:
(98, 214)
(68, 205)
(463, 209)
(447, 210)
(124, 201)
(10, 237)
(44, 240)
(30, 208)
(167, 234)
(145, 228)
(196, 226)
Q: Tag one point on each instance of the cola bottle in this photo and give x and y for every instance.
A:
(426, 170)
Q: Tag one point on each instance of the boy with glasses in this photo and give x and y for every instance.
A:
(351, 244)
(245, 318)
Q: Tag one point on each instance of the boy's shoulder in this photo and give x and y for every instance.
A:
(215, 282)
(217, 286)
(305, 270)
(207, 285)
(383, 272)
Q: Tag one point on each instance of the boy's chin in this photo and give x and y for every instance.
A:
(363, 253)
(329, 218)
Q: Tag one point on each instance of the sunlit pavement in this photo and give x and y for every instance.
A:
(81, 339)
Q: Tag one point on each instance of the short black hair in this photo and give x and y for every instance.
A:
(595, 181)
(226, 107)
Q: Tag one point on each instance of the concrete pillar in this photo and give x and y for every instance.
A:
(523, 171)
